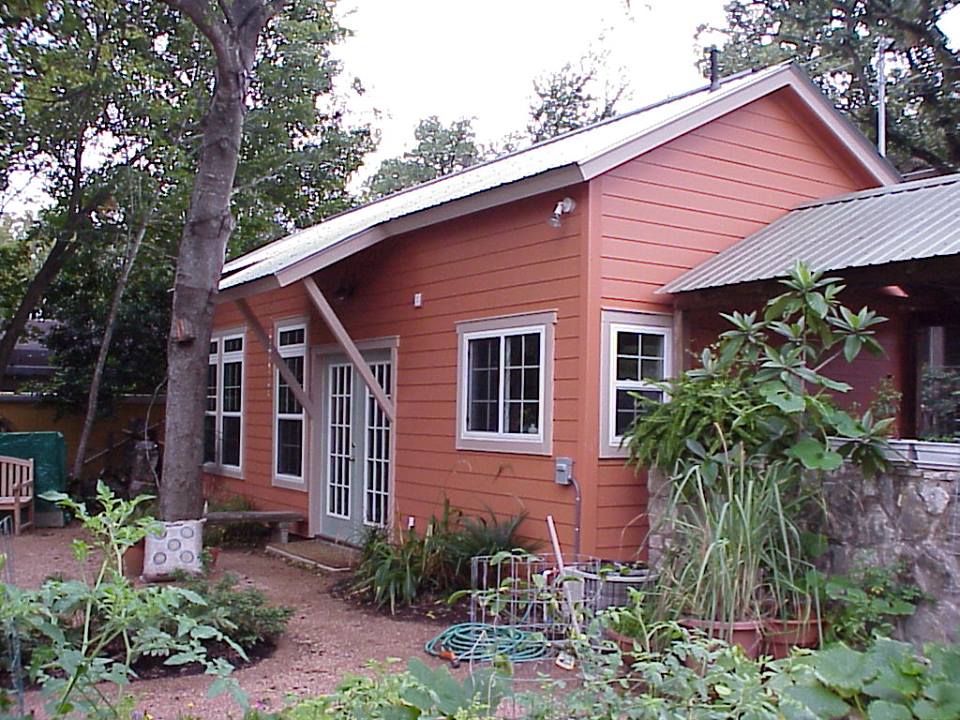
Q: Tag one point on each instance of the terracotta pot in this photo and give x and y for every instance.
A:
(133, 560)
(748, 634)
(782, 635)
(624, 642)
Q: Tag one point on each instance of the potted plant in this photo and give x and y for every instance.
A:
(714, 574)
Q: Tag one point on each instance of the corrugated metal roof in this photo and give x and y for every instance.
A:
(569, 150)
(909, 221)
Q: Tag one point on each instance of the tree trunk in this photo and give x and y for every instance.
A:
(234, 36)
(61, 250)
(93, 397)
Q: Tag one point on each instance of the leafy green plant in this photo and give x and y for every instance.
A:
(89, 633)
(243, 615)
(418, 692)
(888, 681)
(866, 603)
(763, 386)
(398, 573)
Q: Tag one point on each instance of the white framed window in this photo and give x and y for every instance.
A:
(637, 353)
(505, 384)
(289, 419)
(223, 416)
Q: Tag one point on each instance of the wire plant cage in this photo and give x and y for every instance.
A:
(531, 593)
(11, 672)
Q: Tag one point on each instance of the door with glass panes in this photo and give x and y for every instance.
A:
(356, 448)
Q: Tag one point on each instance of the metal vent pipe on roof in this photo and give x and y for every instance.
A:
(714, 68)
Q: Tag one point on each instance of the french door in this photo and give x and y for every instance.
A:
(356, 442)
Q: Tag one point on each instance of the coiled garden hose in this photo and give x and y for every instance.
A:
(481, 642)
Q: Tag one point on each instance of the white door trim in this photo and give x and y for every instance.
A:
(321, 360)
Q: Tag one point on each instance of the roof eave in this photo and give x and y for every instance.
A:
(554, 179)
(787, 76)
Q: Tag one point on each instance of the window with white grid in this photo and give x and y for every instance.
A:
(289, 419)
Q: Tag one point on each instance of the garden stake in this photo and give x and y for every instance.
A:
(552, 528)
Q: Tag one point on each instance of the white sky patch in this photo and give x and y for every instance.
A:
(478, 60)
(950, 26)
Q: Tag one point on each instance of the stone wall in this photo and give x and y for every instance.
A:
(910, 514)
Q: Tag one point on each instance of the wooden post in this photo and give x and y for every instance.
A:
(345, 341)
(274, 354)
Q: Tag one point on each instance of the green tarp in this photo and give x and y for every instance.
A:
(49, 453)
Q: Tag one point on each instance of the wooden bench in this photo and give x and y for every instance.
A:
(16, 490)
(282, 521)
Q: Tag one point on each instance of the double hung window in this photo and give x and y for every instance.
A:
(505, 383)
(223, 417)
(289, 425)
(637, 356)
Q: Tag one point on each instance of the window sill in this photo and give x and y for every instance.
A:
(288, 482)
(612, 451)
(505, 445)
(223, 470)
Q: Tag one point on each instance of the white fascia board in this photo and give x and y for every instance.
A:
(254, 287)
(790, 76)
(545, 182)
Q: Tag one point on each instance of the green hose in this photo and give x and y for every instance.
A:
(481, 642)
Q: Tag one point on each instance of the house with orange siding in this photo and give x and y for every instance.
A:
(476, 338)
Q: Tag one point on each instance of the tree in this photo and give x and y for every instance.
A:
(296, 159)
(241, 37)
(573, 97)
(67, 97)
(440, 150)
(837, 42)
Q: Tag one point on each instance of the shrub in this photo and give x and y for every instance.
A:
(87, 635)
(243, 615)
(867, 602)
(400, 573)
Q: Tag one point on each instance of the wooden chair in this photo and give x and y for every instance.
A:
(16, 490)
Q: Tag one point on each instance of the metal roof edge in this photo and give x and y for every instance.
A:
(908, 186)
(553, 179)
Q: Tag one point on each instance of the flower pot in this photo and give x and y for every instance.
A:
(780, 636)
(133, 561)
(748, 634)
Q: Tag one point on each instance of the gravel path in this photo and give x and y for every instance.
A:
(326, 638)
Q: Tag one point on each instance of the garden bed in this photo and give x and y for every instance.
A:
(326, 637)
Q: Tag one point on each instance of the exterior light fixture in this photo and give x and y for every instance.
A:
(563, 207)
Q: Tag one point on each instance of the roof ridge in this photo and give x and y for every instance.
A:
(230, 267)
(883, 190)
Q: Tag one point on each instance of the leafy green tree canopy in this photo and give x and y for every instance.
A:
(837, 44)
(440, 150)
(573, 97)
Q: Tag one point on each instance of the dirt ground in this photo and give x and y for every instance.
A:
(326, 638)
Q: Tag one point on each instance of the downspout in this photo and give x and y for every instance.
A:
(576, 517)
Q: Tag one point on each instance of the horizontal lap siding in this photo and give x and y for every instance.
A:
(675, 207)
(499, 262)
(257, 424)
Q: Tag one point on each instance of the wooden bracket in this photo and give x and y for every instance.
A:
(274, 354)
(349, 347)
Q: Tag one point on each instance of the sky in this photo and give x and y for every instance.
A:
(459, 59)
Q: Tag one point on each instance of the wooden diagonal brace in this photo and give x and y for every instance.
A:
(346, 342)
(274, 354)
